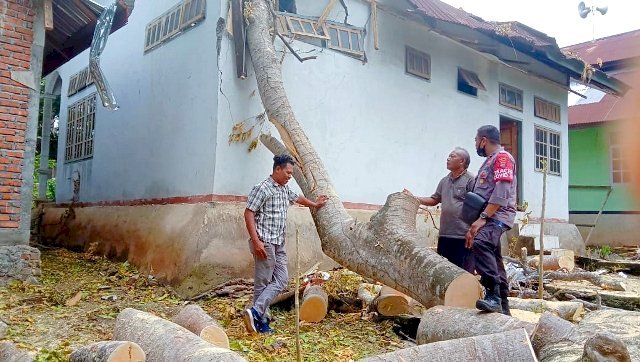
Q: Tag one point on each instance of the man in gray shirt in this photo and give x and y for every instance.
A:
(450, 193)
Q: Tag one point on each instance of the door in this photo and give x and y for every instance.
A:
(510, 140)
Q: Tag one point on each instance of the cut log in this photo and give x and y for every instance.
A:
(367, 293)
(605, 347)
(563, 252)
(506, 346)
(196, 320)
(631, 267)
(109, 351)
(10, 353)
(556, 339)
(570, 311)
(552, 262)
(593, 278)
(391, 302)
(442, 323)
(315, 303)
(623, 324)
(165, 341)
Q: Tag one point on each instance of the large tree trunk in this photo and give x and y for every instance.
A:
(387, 248)
(109, 351)
(443, 323)
(166, 341)
(196, 320)
(499, 347)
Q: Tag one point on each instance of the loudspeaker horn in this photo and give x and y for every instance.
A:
(603, 10)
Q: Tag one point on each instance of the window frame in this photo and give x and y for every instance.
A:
(547, 149)
(81, 120)
(349, 30)
(173, 22)
(541, 102)
(79, 81)
(425, 57)
(517, 91)
(314, 23)
(624, 172)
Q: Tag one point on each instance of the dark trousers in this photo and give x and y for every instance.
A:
(453, 249)
(488, 258)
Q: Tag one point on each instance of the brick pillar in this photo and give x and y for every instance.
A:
(20, 69)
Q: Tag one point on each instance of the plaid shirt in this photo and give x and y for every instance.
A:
(270, 202)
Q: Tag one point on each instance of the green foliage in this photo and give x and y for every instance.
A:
(605, 251)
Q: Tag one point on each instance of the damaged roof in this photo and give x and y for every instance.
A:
(609, 49)
(74, 22)
(455, 23)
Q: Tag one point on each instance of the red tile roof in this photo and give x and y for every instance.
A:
(610, 108)
(611, 48)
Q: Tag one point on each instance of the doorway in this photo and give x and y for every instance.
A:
(511, 140)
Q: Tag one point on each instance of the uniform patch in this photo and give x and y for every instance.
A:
(503, 168)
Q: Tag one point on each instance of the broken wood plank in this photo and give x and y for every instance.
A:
(512, 345)
(631, 267)
(166, 341)
(48, 15)
(570, 311)
(196, 320)
(374, 23)
(237, 20)
(109, 351)
(325, 14)
(443, 323)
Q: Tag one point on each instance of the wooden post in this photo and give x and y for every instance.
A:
(237, 19)
(374, 23)
(325, 14)
(595, 222)
(544, 200)
(297, 297)
(48, 15)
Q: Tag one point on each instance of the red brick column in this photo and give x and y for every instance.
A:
(16, 39)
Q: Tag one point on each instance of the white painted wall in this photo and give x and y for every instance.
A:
(161, 142)
(376, 128)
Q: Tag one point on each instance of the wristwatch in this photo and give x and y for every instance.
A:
(483, 215)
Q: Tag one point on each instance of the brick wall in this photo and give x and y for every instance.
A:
(16, 38)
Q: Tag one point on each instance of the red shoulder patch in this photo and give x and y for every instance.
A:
(503, 168)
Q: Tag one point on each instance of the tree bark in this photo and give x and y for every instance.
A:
(605, 347)
(10, 353)
(593, 278)
(196, 320)
(555, 339)
(566, 310)
(385, 249)
(166, 341)
(109, 351)
(505, 346)
(442, 323)
(624, 324)
(314, 304)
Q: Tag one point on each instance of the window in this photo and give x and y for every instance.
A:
(81, 118)
(620, 165)
(182, 16)
(79, 81)
(344, 39)
(547, 110)
(468, 82)
(511, 97)
(306, 27)
(547, 150)
(417, 63)
(287, 6)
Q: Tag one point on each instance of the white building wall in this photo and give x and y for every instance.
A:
(161, 142)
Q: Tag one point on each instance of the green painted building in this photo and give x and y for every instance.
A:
(599, 172)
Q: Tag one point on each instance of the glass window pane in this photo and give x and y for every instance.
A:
(355, 44)
(333, 34)
(308, 28)
(344, 39)
(297, 27)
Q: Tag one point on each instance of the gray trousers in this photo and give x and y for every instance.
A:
(271, 276)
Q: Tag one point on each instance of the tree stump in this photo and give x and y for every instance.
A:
(109, 351)
(164, 341)
(196, 320)
(314, 304)
(442, 323)
(505, 346)
(566, 310)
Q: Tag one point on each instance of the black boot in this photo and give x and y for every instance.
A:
(505, 306)
(491, 302)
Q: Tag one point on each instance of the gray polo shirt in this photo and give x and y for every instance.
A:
(450, 193)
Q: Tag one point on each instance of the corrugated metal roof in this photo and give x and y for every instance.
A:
(612, 48)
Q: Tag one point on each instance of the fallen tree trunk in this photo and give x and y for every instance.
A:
(109, 351)
(505, 346)
(166, 341)
(566, 310)
(10, 353)
(314, 304)
(631, 267)
(622, 323)
(614, 299)
(196, 320)
(555, 338)
(442, 323)
(550, 262)
(385, 249)
(593, 278)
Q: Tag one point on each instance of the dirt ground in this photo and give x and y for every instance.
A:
(44, 318)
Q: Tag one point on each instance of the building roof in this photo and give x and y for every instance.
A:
(73, 25)
(609, 108)
(450, 21)
(609, 49)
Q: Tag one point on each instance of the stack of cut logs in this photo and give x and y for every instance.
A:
(192, 335)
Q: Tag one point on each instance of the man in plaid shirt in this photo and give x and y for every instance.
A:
(266, 219)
